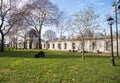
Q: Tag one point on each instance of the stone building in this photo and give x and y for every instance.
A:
(97, 44)
(91, 45)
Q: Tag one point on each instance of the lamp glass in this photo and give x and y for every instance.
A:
(113, 4)
(118, 0)
(110, 20)
(118, 6)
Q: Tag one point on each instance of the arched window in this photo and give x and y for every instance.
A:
(93, 45)
(65, 45)
(107, 46)
(73, 45)
(48, 45)
(59, 46)
(53, 46)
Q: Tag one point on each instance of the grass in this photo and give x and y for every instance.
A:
(59, 67)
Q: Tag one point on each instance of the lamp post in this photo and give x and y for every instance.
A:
(116, 8)
(110, 22)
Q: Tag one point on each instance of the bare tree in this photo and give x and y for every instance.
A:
(13, 36)
(63, 25)
(8, 18)
(42, 13)
(85, 20)
(49, 35)
(23, 33)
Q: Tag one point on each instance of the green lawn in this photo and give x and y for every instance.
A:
(58, 67)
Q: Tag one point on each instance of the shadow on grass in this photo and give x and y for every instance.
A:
(19, 54)
(50, 54)
(76, 55)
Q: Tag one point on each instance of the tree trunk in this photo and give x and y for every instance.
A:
(25, 44)
(30, 45)
(11, 44)
(83, 50)
(83, 54)
(16, 46)
(2, 43)
(39, 38)
(39, 41)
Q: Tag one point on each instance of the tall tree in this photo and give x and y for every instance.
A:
(84, 21)
(8, 18)
(23, 33)
(63, 24)
(41, 13)
(13, 36)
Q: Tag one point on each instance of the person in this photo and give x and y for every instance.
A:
(40, 54)
(36, 56)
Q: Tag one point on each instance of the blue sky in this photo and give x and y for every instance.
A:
(71, 6)
(102, 7)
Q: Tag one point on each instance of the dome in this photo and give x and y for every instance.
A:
(32, 32)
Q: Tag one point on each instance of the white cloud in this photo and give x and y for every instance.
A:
(81, 4)
(100, 4)
(97, 2)
(92, 1)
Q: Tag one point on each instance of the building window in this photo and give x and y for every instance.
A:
(48, 45)
(108, 46)
(44, 45)
(53, 45)
(65, 45)
(73, 45)
(93, 46)
(59, 46)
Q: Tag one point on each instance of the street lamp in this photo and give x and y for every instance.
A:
(110, 22)
(116, 8)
